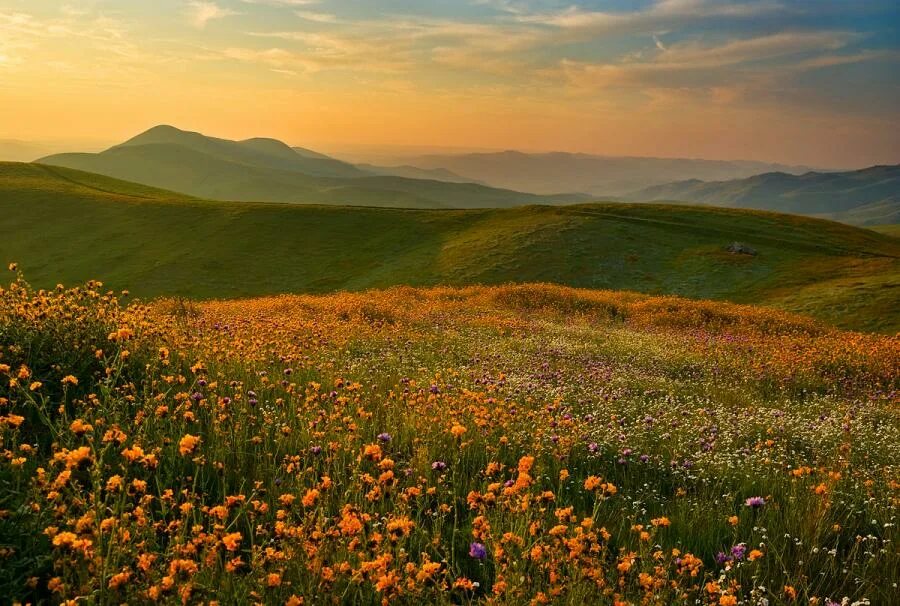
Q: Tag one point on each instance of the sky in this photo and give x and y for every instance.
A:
(794, 81)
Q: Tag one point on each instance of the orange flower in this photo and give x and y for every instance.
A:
(593, 483)
(310, 498)
(188, 444)
(232, 541)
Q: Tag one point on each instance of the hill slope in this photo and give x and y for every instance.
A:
(267, 170)
(596, 175)
(69, 226)
(865, 197)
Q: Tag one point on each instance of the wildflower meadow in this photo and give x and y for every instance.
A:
(529, 444)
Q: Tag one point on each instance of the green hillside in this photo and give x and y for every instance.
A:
(266, 170)
(66, 226)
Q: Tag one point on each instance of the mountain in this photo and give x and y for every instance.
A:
(258, 152)
(66, 226)
(412, 172)
(268, 170)
(596, 175)
(870, 196)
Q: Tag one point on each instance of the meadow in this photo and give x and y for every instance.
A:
(530, 444)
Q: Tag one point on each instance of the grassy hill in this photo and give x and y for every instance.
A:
(863, 197)
(267, 170)
(67, 226)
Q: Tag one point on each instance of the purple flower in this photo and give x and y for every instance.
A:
(315, 450)
(439, 466)
(738, 551)
(384, 437)
(288, 371)
(755, 502)
(593, 447)
(721, 558)
(477, 551)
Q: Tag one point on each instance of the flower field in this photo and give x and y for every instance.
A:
(526, 444)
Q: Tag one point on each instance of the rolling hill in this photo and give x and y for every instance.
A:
(596, 175)
(267, 170)
(67, 226)
(863, 197)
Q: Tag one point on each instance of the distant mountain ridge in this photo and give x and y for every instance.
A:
(598, 176)
(267, 170)
(870, 196)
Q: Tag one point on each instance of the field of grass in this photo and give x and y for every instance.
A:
(528, 444)
(67, 226)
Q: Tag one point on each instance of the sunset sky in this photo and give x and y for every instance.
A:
(790, 81)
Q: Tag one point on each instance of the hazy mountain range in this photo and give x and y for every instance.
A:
(599, 176)
(267, 170)
(869, 196)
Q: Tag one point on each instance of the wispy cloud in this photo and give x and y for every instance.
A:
(201, 12)
(659, 16)
(317, 17)
(283, 2)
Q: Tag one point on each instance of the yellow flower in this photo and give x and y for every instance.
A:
(69, 380)
(458, 430)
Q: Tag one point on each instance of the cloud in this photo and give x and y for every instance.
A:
(662, 15)
(288, 3)
(317, 17)
(201, 12)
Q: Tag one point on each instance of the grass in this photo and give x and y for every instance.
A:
(526, 444)
(68, 226)
(891, 230)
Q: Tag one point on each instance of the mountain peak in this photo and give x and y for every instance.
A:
(163, 133)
